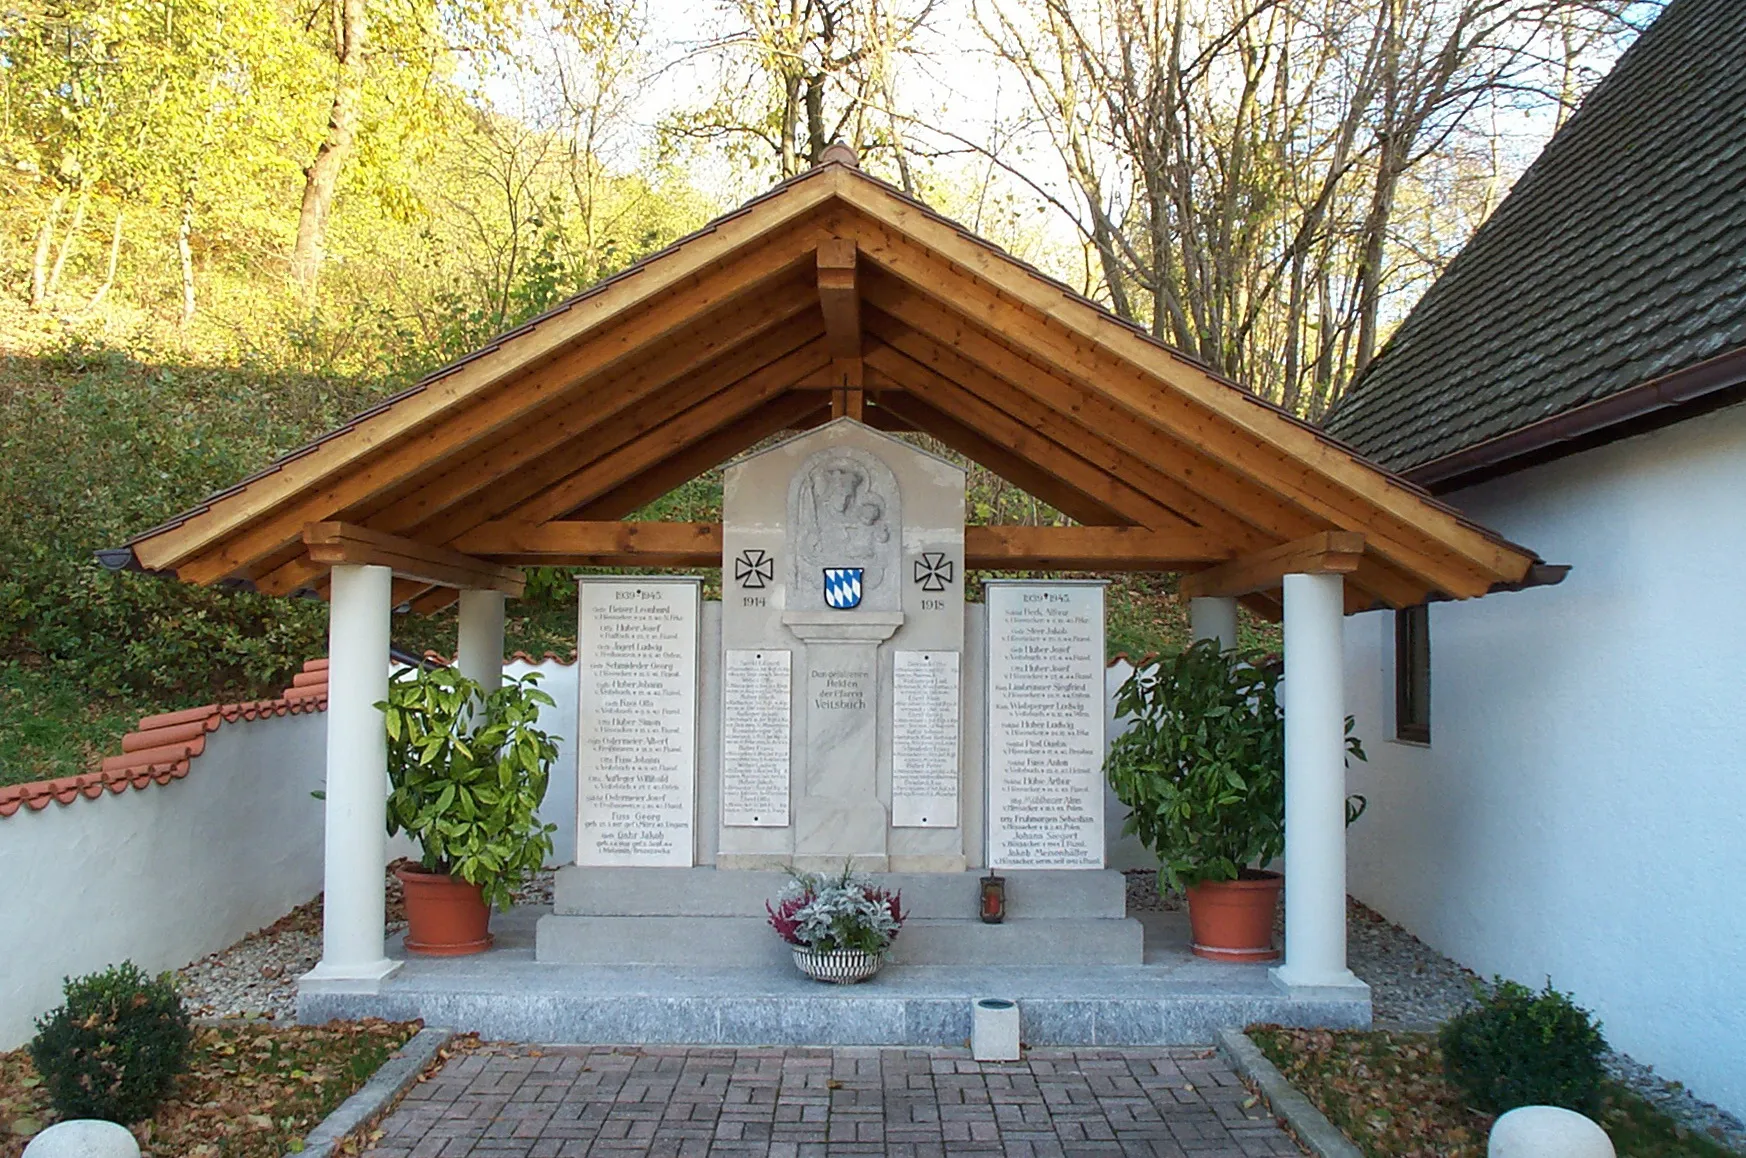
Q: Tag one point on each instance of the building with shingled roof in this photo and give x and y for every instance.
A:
(1557, 782)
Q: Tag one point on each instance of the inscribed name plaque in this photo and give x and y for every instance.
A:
(757, 707)
(1045, 725)
(636, 757)
(924, 739)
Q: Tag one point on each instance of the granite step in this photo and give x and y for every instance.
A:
(708, 892)
(749, 941)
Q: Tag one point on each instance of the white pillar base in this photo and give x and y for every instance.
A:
(362, 978)
(1344, 979)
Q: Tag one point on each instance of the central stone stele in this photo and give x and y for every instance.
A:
(838, 718)
(860, 538)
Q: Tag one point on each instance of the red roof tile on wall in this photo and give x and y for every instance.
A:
(163, 747)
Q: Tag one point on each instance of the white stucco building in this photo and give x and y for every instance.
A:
(1573, 803)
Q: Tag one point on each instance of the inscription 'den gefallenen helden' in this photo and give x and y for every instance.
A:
(757, 708)
(1045, 726)
(637, 739)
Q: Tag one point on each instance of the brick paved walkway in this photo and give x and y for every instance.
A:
(625, 1102)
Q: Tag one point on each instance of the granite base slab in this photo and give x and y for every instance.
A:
(748, 941)
(505, 994)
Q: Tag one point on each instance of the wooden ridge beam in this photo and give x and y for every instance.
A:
(332, 544)
(1326, 553)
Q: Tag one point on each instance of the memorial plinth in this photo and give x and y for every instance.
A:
(849, 723)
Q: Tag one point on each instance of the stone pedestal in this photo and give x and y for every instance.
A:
(839, 815)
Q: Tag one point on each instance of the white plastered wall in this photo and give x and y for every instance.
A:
(1580, 813)
(161, 875)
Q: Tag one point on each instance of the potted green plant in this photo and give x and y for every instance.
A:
(839, 926)
(1202, 772)
(467, 773)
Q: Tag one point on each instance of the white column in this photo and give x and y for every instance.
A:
(357, 781)
(1315, 783)
(479, 647)
(1214, 617)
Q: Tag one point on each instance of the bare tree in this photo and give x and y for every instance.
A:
(1238, 166)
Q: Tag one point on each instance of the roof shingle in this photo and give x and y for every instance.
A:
(1618, 257)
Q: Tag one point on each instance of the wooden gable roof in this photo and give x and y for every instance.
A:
(833, 293)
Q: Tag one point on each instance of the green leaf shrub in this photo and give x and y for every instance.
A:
(1202, 768)
(467, 774)
(1522, 1048)
(114, 1048)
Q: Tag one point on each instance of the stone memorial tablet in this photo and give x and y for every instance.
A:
(637, 721)
(756, 708)
(924, 739)
(1045, 725)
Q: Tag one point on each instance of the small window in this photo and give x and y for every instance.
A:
(1412, 674)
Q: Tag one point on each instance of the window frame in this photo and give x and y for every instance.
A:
(1412, 674)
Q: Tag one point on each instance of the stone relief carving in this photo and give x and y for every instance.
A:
(844, 511)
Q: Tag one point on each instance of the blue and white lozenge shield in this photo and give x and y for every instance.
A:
(842, 587)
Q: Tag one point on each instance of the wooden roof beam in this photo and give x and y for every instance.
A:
(332, 544)
(1007, 548)
(839, 297)
(1326, 553)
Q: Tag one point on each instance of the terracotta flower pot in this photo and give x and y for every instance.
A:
(1233, 920)
(445, 917)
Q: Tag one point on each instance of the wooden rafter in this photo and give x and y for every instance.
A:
(603, 416)
(784, 413)
(658, 421)
(1330, 552)
(1096, 350)
(1026, 441)
(331, 544)
(1002, 460)
(347, 470)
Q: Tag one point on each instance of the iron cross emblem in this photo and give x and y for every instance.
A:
(754, 569)
(933, 571)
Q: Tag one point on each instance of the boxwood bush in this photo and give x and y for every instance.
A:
(114, 1048)
(1522, 1048)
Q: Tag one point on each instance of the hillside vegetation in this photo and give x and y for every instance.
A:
(230, 224)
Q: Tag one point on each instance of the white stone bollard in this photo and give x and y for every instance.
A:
(1547, 1132)
(83, 1138)
(994, 1029)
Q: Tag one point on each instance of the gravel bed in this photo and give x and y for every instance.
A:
(257, 976)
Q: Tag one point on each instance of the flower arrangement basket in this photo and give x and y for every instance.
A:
(839, 927)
